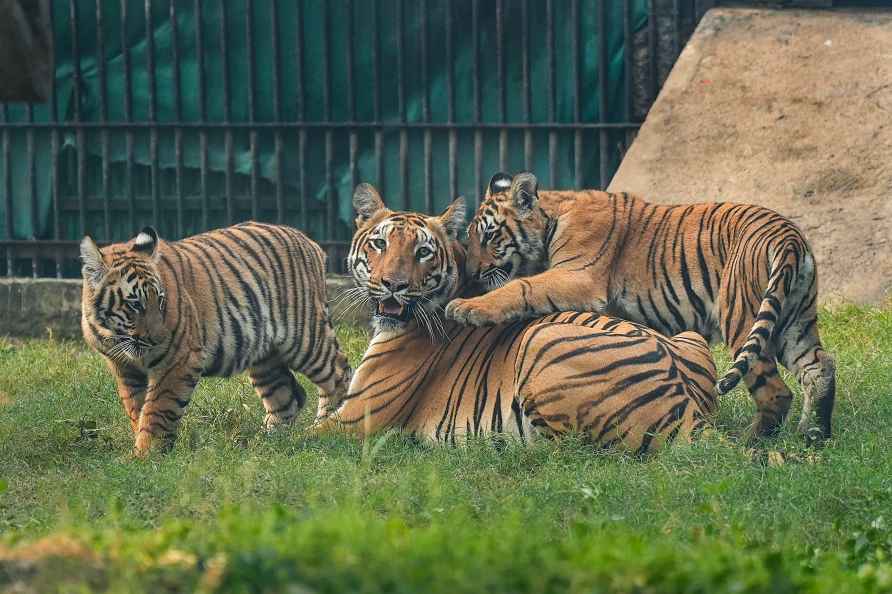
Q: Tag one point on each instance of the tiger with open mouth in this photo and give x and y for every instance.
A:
(615, 382)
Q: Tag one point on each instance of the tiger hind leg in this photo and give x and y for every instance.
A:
(280, 392)
(771, 394)
(815, 370)
(325, 364)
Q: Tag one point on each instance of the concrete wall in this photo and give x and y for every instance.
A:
(39, 307)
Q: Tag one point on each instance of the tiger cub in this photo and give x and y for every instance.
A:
(251, 296)
(738, 273)
(615, 382)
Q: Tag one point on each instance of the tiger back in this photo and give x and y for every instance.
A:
(735, 273)
(617, 383)
(247, 297)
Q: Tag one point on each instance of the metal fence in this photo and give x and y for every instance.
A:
(191, 115)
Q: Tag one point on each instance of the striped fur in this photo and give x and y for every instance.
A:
(738, 273)
(617, 383)
(248, 297)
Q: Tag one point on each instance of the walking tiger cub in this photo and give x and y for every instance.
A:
(740, 273)
(616, 382)
(249, 297)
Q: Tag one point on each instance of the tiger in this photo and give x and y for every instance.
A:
(247, 297)
(615, 383)
(736, 273)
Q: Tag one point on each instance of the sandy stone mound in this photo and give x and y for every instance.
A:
(791, 109)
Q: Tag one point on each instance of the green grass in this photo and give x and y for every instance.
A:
(233, 509)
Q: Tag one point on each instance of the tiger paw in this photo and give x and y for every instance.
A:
(472, 312)
(146, 443)
(322, 426)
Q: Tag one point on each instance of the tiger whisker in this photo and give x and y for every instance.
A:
(421, 316)
(433, 329)
(346, 295)
(354, 301)
(436, 318)
(358, 301)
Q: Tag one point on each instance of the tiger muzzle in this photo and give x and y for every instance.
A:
(393, 309)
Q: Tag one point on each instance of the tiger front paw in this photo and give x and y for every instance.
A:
(473, 312)
(323, 426)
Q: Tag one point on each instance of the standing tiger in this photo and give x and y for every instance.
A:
(615, 382)
(251, 296)
(736, 272)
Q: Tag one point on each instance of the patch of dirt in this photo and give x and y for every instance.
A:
(790, 109)
(44, 564)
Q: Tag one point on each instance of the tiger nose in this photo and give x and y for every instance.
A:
(394, 285)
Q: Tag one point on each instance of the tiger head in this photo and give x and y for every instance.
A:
(507, 237)
(123, 298)
(405, 265)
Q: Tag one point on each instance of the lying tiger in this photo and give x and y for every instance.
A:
(733, 272)
(616, 382)
(249, 297)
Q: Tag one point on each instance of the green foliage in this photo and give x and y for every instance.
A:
(233, 509)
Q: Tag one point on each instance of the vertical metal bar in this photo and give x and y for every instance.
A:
(153, 115)
(450, 106)
(302, 135)
(7, 193)
(426, 111)
(54, 151)
(628, 51)
(500, 59)
(354, 138)
(330, 204)
(331, 195)
(252, 108)
(603, 104)
(203, 114)
(351, 98)
(404, 169)
(277, 111)
(552, 93)
(401, 97)
(103, 117)
(227, 112)
(577, 93)
(32, 188)
(379, 152)
(676, 21)
(376, 65)
(302, 162)
(178, 113)
(527, 97)
(128, 115)
(79, 135)
(478, 133)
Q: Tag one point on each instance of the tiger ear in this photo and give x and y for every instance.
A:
(525, 191)
(366, 201)
(146, 241)
(93, 266)
(500, 182)
(453, 218)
